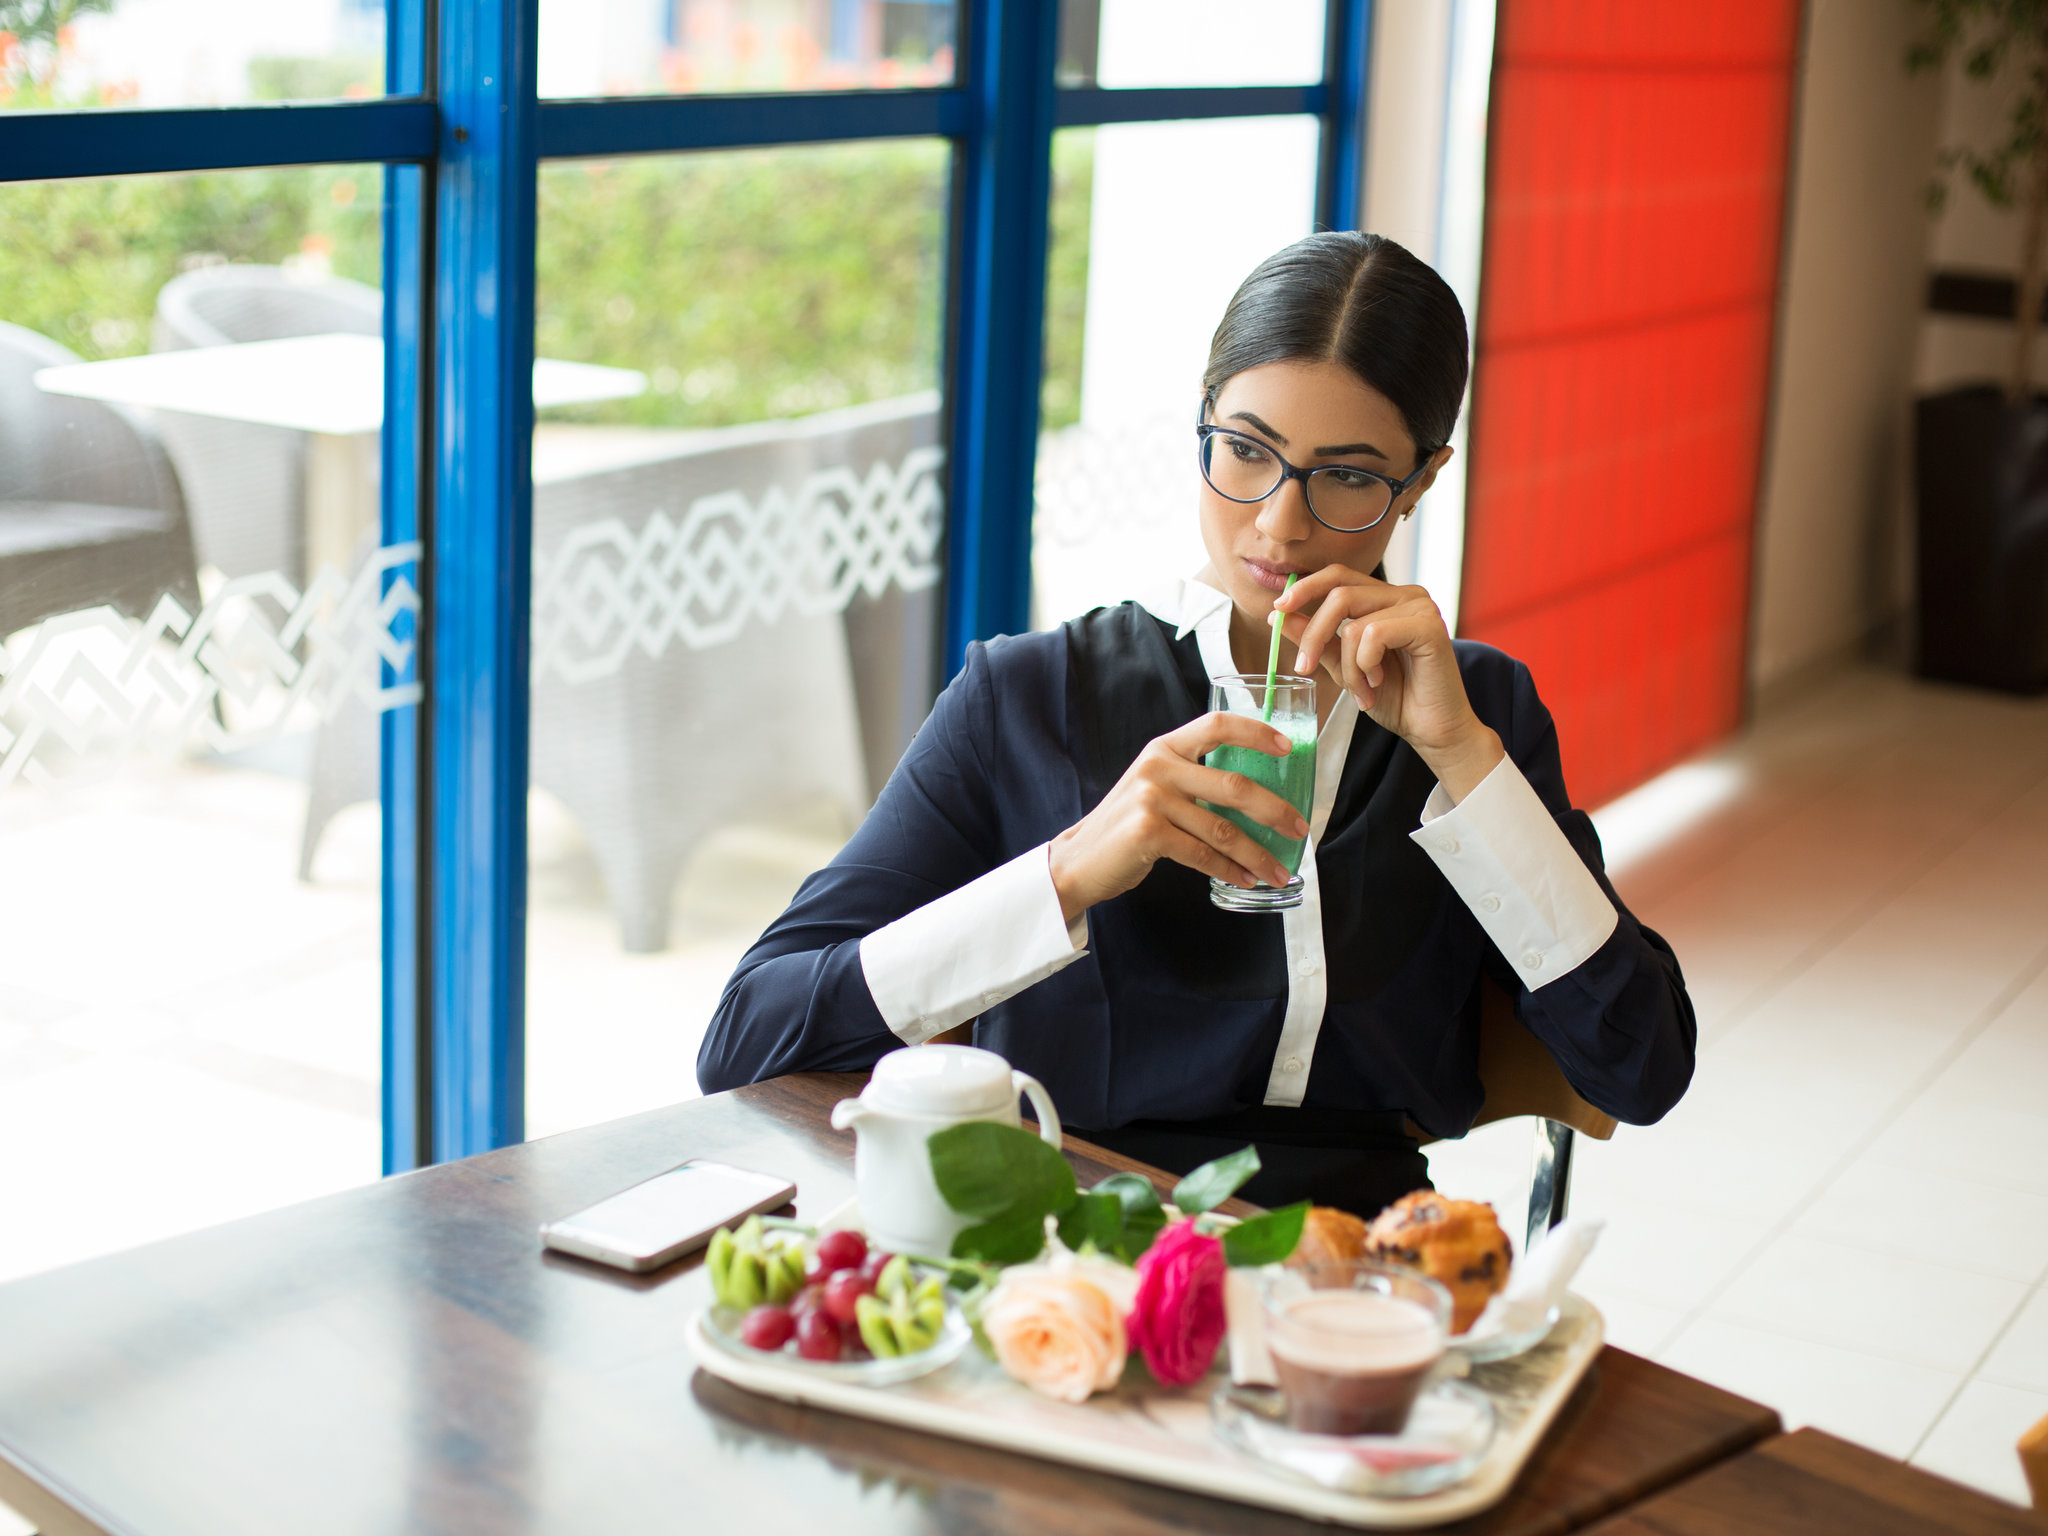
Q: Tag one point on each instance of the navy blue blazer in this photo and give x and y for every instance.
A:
(1175, 1012)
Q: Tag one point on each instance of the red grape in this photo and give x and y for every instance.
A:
(843, 1249)
(767, 1327)
(817, 1337)
(809, 1299)
(872, 1266)
(842, 1291)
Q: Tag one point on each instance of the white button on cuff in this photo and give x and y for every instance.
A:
(1291, 1064)
(1490, 901)
(1532, 961)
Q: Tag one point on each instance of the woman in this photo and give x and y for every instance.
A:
(1039, 862)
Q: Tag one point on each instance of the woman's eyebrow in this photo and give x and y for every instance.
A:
(1251, 420)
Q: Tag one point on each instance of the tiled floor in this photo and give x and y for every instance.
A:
(1847, 1217)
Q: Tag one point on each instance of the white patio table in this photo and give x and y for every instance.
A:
(331, 387)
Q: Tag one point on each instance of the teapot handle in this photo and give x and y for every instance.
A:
(1041, 1101)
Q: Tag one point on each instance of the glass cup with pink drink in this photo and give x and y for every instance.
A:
(1353, 1344)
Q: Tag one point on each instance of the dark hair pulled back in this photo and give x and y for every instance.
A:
(1360, 300)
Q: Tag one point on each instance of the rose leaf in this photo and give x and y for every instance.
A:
(1094, 1218)
(1213, 1183)
(1015, 1237)
(1266, 1239)
(1142, 1214)
(985, 1170)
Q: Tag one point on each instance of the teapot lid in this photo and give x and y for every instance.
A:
(940, 1080)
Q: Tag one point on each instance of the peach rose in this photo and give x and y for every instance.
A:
(1055, 1331)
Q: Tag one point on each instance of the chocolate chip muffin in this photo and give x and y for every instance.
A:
(1457, 1243)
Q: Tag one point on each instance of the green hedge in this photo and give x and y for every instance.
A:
(747, 284)
(82, 261)
(763, 283)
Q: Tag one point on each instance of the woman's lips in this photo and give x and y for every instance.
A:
(1272, 577)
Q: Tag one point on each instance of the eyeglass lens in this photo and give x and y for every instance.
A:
(1244, 469)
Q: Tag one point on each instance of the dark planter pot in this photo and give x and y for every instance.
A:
(1981, 481)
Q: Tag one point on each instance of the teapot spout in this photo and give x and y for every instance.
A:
(848, 1113)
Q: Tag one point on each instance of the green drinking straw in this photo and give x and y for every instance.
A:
(1273, 655)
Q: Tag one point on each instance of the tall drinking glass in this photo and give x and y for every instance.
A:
(1293, 778)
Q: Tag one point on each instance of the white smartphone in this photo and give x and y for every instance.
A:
(667, 1216)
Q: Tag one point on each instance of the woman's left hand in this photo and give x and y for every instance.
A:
(1390, 648)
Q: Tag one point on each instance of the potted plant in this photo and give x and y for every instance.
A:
(1981, 452)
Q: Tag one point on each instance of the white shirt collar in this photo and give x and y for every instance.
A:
(1190, 604)
(1194, 607)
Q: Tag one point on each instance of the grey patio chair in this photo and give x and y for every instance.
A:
(676, 739)
(90, 509)
(247, 482)
(652, 741)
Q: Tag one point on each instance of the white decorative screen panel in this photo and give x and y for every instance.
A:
(730, 559)
(261, 658)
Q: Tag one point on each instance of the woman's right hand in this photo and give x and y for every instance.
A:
(1151, 815)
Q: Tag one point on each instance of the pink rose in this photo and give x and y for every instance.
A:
(1056, 1332)
(1179, 1318)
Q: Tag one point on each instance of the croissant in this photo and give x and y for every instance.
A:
(1329, 1236)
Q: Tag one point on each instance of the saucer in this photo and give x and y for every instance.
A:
(1479, 1348)
(1446, 1437)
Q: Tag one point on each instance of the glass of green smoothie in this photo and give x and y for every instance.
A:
(1289, 705)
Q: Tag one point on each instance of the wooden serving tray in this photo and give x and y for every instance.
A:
(1164, 1436)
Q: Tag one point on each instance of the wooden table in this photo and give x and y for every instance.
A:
(403, 1357)
(1811, 1484)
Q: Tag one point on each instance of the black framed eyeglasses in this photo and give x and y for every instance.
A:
(1342, 497)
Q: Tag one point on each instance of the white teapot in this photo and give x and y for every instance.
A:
(913, 1093)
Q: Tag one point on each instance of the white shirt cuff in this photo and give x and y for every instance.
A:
(961, 955)
(1508, 860)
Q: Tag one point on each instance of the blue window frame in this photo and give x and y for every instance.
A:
(462, 134)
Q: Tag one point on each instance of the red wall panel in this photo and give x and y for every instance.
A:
(1621, 448)
(1635, 183)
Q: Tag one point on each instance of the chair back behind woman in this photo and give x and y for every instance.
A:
(1520, 1075)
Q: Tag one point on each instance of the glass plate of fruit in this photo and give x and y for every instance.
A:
(827, 1302)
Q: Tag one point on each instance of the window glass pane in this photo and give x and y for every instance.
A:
(198, 635)
(188, 53)
(1138, 273)
(736, 575)
(1120, 44)
(702, 47)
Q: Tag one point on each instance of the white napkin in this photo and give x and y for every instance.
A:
(1251, 1363)
(1539, 1282)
